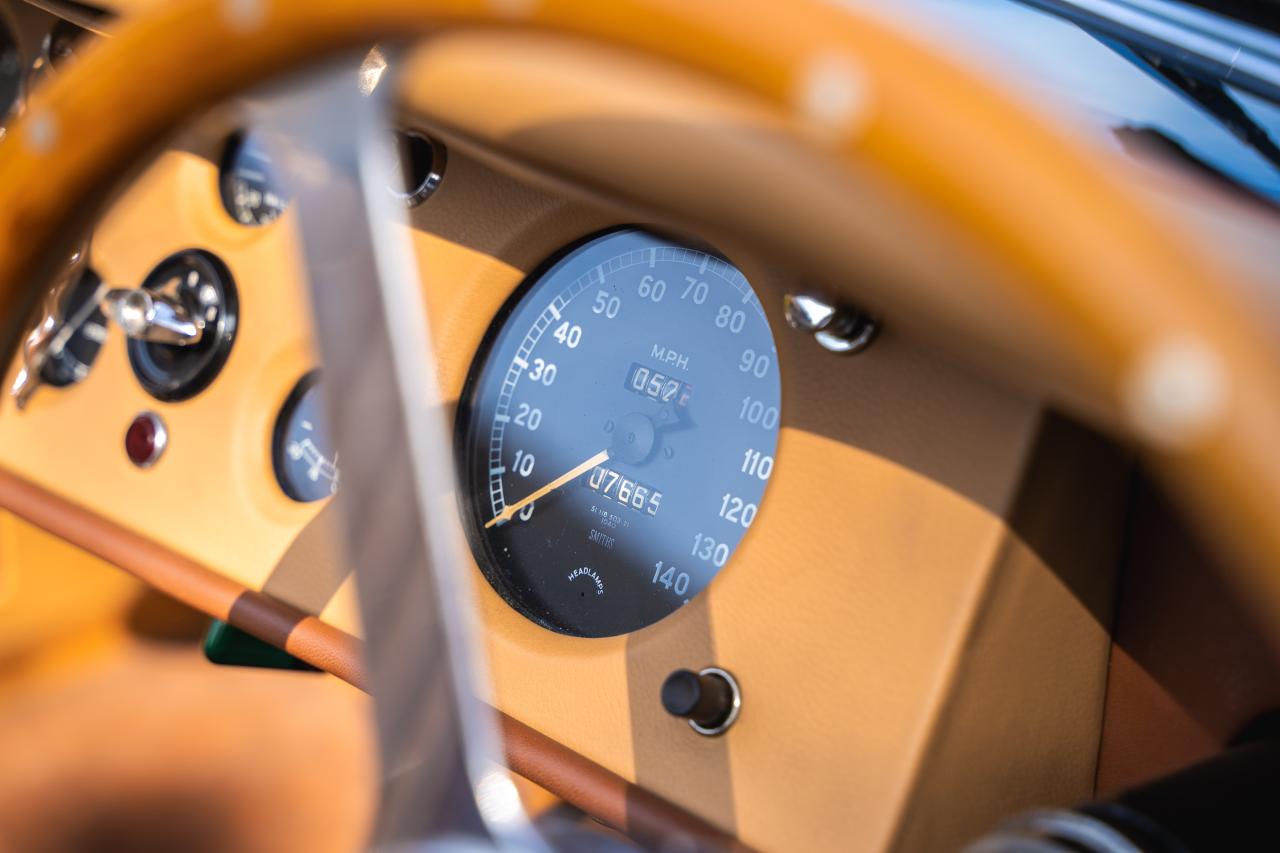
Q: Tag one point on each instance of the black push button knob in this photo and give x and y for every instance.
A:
(709, 700)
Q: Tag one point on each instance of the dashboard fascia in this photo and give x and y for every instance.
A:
(916, 461)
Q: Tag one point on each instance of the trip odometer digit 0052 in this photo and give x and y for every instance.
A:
(618, 433)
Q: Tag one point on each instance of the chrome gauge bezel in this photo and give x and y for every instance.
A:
(172, 374)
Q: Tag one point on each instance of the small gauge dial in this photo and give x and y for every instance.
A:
(619, 431)
(306, 463)
(62, 42)
(251, 191)
(11, 71)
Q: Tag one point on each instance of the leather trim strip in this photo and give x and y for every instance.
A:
(578, 781)
(646, 818)
(301, 634)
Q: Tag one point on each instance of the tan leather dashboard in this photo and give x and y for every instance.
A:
(904, 618)
(908, 623)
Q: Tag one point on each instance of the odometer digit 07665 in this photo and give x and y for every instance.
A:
(618, 432)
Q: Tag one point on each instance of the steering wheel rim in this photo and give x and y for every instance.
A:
(1143, 310)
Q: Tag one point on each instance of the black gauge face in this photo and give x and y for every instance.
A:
(11, 70)
(618, 433)
(306, 463)
(62, 41)
(251, 192)
(69, 360)
(203, 286)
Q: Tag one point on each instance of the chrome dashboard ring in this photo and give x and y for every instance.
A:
(734, 709)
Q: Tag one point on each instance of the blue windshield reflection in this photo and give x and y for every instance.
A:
(1089, 86)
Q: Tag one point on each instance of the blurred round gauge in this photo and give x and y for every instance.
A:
(61, 42)
(60, 45)
(305, 461)
(251, 192)
(10, 69)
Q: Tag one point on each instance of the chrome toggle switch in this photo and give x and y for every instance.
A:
(154, 317)
(836, 328)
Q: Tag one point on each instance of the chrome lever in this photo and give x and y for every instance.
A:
(155, 317)
(146, 315)
(35, 351)
(52, 331)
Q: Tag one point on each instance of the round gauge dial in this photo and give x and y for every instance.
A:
(618, 432)
(202, 284)
(250, 190)
(11, 71)
(306, 463)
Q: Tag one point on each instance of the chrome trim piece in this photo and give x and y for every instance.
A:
(431, 181)
(159, 443)
(53, 331)
(1053, 831)
(734, 709)
(807, 312)
(836, 328)
(154, 317)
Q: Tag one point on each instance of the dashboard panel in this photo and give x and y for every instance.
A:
(893, 575)
(920, 475)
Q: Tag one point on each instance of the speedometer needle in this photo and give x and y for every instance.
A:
(577, 471)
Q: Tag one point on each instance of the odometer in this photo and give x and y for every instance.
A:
(618, 432)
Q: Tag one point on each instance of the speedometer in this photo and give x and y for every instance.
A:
(617, 433)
